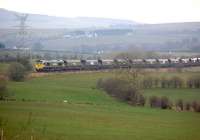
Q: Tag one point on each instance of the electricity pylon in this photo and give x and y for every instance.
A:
(22, 33)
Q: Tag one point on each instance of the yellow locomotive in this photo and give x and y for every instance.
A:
(50, 65)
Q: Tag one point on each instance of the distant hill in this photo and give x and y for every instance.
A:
(8, 20)
(84, 34)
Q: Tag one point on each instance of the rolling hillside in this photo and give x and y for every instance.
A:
(84, 34)
(68, 106)
(8, 20)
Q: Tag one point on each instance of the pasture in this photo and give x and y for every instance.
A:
(68, 106)
(3, 67)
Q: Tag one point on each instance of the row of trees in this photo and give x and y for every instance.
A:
(165, 103)
(126, 86)
(173, 82)
(124, 91)
(162, 102)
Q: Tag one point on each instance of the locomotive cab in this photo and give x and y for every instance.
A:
(39, 65)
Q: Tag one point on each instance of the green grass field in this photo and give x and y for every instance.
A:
(90, 114)
(3, 67)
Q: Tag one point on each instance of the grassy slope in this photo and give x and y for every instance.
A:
(81, 88)
(3, 67)
(90, 113)
(72, 87)
(83, 121)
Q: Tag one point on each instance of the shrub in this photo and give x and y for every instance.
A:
(196, 106)
(188, 106)
(148, 82)
(25, 61)
(131, 95)
(179, 103)
(165, 83)
(3, 88)
(111, 85)
(122, 90)
(16, 72)
(141, 100)
(193, 82)
(156, 82)
(190, 83)
(165, 103)
(197, 82)
(176, 82)
(154, 101)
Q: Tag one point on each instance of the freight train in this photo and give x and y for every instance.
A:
(101, 64)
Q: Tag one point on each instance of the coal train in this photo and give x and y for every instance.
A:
(101, 64)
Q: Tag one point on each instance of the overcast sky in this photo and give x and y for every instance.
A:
(145, 11)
